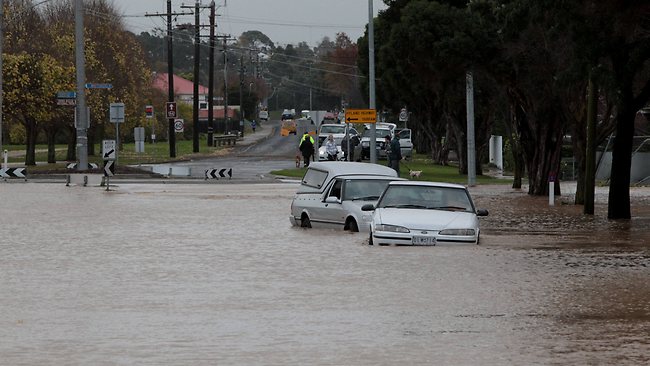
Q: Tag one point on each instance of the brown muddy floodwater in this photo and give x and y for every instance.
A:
(213, 274)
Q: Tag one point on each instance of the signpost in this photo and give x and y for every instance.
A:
(109, 154)
(179, 125)
(66, 98)
(170, 107)
(117, 117)
(403, 115)
(360, 116)
(98, 86)
(148, 111)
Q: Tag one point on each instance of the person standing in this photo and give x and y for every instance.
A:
(393, 152)
(354, 142)
(330, 148)
(306, 148)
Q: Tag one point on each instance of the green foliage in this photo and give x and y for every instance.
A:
(17, 134)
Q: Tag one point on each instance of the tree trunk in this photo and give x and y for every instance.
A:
(72, 144)
(51, 146)
(618, 206)
(30, 153)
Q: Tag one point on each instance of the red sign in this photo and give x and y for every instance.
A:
(171, 109)
(148, 111)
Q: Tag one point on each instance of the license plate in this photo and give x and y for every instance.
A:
(423, 240)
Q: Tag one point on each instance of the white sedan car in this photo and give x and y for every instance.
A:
(332, 193)
(424, 213)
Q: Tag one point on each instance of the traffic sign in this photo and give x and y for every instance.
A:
(403, 115)
(12, 172)
(170, 107)
(360, 116)
(109, 168)
(117, 112)
(66, 95)
(216, 173)
(108, 149)
(148, 111)
(98, 86)
(66, 101)
(179, 125)
(66, 98)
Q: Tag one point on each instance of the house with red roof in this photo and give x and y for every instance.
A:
(183, 88)
(184, 93)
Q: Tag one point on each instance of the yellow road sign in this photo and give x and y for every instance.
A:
(360, 115)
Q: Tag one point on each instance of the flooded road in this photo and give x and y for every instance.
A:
(203, 274)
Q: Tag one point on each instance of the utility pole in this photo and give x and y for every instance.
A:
(82, 115)
(371, 76)
(211, 78)
(225, 82)
(170, 73)
(225, 85)
(2, 22)
(242, 70)
(471, 145)
(197, 55)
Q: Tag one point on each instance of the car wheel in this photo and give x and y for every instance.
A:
(370, 239)
(353, 227)
(305, 222)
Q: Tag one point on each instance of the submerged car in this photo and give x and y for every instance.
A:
(424, 213)
(332, 193)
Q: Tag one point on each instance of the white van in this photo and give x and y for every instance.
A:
(331, 194)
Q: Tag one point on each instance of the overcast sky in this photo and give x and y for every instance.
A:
(284, 21)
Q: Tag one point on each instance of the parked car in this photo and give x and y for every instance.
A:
(405, 143)
(288, 114)
(380, 134)
(335, 129)
(424, 213)
(332, 193)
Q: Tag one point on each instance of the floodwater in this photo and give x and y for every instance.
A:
(213, 274)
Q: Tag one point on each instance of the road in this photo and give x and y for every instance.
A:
(254, 160)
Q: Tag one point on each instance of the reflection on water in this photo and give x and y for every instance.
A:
(213, 274)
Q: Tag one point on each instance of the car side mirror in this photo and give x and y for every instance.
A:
(482, 212)
(368, 207)
(332, 199)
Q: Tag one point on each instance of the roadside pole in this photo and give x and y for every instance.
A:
(371, 76)
(82, 120)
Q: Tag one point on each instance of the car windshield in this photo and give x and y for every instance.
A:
(379, 133)
(426, 197)
(364, 189)
(332, 129)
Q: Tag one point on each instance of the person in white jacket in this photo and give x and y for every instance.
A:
(330, 148)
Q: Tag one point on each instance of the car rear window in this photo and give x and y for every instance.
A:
(314, 178)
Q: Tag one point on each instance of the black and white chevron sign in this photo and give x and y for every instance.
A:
(12, 173)
(216, 173)
(90, 165)
(109, 168)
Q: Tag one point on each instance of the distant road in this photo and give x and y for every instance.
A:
(255, 161)
(276, 146)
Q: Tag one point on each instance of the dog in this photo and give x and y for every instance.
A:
(415, 173)
(297, 160)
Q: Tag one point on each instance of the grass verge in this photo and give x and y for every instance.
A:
(429, 172)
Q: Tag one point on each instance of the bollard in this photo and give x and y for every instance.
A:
(551, 189)
(6, 159)
(67, 180)
(85, 180)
